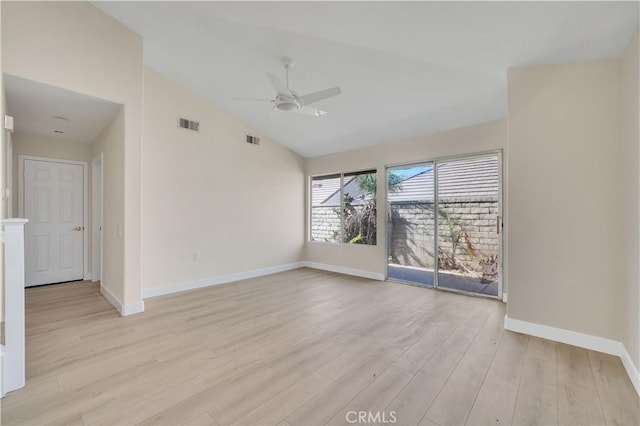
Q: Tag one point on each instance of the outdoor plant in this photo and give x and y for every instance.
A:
(457, 234)
(360, 219)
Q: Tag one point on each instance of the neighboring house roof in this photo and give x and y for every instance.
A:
(352, 188)
(475, 177)
(470, 178)
(326, 191)
(332, 187)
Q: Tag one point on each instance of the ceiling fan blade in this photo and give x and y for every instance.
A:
(307, 110)
(320, 95)
(277, 84)
(252, 99)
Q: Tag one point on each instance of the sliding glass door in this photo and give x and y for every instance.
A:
(411, 224)
(444, 224)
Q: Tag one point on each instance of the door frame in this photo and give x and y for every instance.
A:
(97, 212)
(435, 161)
(85, 200)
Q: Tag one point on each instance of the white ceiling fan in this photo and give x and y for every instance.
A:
(289, 101)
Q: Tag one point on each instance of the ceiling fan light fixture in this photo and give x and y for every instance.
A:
(287, 106)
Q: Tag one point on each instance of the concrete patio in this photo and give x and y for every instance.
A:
(445, 279)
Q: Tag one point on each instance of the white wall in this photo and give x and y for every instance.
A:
(237, 205)
(565, 237)
(473, 139)
(630, 162)
(75, 46)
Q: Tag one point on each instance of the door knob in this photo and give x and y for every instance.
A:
(78, 228)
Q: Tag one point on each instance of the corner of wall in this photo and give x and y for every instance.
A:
(123, 309)
(630, 207)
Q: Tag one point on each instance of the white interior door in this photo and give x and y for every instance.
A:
(54, 235)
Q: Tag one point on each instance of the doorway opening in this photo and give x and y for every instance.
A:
(444, 224)
(57, 150)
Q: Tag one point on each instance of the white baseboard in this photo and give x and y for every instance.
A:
(134, 308)
(221, 279)
(87, 276)
(632, 370)
(347, 271)
(224, 279)
(111, 298)
(587, 341)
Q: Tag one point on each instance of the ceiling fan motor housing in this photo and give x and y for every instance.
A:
(284, 104)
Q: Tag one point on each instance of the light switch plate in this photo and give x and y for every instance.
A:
(8, 123)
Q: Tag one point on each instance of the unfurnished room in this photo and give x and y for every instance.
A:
(320, 213)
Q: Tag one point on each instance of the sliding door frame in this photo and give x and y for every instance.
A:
(435, 162)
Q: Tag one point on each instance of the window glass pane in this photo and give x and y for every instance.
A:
(468, 239)
(325, 208)
(359, 208)
(411, 224)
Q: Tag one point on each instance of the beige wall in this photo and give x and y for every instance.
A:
(108, 144)
(473, 139)
(75, 46)
(630, 160)
(237, 205)
(564, 197)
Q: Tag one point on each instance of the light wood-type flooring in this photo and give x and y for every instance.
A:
(303, 347)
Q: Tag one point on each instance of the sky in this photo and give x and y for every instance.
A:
(408, 171)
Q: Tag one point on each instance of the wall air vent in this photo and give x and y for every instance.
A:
(185, 123)
(253, 140)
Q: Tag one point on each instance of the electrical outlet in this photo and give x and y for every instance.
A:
(196, 256)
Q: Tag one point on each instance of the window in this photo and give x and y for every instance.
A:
(343, 208)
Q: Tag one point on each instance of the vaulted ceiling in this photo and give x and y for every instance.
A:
(405, 68)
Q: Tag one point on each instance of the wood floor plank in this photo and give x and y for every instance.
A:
(456, 398)
(212, 397)
(574, 366)
(376, 396)
(73, 419)
(203, 419)
(278, 407)
(537, 400)
(509, 358)
(149, 407)
(619, 403)
(578, 405)
(326, 405)
(439, 332)
(411, 404)
(302, 347)
(494, 404)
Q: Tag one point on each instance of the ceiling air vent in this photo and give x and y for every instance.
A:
(253, 140)
(185, 123)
